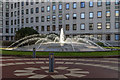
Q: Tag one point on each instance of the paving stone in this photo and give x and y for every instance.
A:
(29, 62)
(38, 76)
(19, 63)
(69, 62)
(39, 62)
(32, 68)
(58, 76)
(24, 74)
(23, 71)
(62, 68)
(45, 67)
(59, 62)
(51, 72)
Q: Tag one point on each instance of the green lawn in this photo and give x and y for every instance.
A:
(108, 53)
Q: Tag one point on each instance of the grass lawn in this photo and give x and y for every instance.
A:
(108, 53)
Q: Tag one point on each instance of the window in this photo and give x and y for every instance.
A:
(74, 5)
(7, 30)
(31, 20)
(11, 14)
(42, 28)
(7, 14)
(54, 7)
(27, 11)
(116, 2)
(48, 8)
(48, 28)
(99, 14)
(22, 3)
(82, 4)
(11, 22)
(107, 2)
(108, 37)
(53, 17)
(15, 22)
(11, 30)
(82, 26)
(37, 19)
(91, 15)
(60, 6)
(48, 18)
(91, 4)
(99, 25)
(27, 3)
(117, 13)
(67, 6)
(7, 37)
(15, 5)
(22, 12)
(27, 21)
(60, 17)
(22, 21)
(67, 27)
(11, 6)
(37, 10)
(31, 10)
(90, 26)
(42, 19)
(99, 3)
(82, 15)
(31, 2)
(15, 13)
(53, 27)
(107, 13)
(99, 36)
(37, 28)
(117, 37)
(42, 9)
(74, 16)
(60, 26)
(67, 16)
(107, 25)
(7, 22)
(74, 27)
(117, 25)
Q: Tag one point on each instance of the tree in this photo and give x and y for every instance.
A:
(24, 32)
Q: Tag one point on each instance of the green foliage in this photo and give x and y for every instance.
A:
(25, 32)
(6, 43)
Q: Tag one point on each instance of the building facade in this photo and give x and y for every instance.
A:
(98, 19)
(1, 25)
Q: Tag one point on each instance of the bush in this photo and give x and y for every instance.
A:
(100, 43)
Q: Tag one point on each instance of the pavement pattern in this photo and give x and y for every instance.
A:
(65, 68)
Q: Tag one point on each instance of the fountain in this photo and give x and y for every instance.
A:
(53, 42)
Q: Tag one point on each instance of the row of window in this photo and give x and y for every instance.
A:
(91, 4)
(99, 36)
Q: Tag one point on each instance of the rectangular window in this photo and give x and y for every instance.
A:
(60, 6)
(99, 14)
(42, 19)
(74, 5)
(42, 9)
(107, 25)
(108, 37)
(117, 25)
(90, 26)
(60, 26)
(7, 30)
(11, 14)
(117, 2)
(67, 27)
(27, 21)
(48, 28)
(82, 4)
(53, 27)
(27, 11)
(107, 2)
(22, 3)
(60, 17)
(48, 8)
(53, 17)
(107, 13)
(82, 26)
(91, 4)
(67, 6)
(117, 37)
(37, 19)
(31, 20)
(11, 30)
(54, 7)
(67, 16)
(99, 25)
(91, 15)
(99, 36)
(99, 3)
(31, 10)
(11, 22)
(82, 15)
(11, 6)
(48, 18)
(117, 13)
(74, 16)
(22, 12)
(37, 9)
(74, 27)
(42, 28)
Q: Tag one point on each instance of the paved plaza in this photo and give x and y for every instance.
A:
(65, 68)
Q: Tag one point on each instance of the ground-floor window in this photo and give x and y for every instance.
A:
(117, 37)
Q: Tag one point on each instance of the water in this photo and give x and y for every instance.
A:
(52, 42)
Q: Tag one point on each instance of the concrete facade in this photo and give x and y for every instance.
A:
(17, 17)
